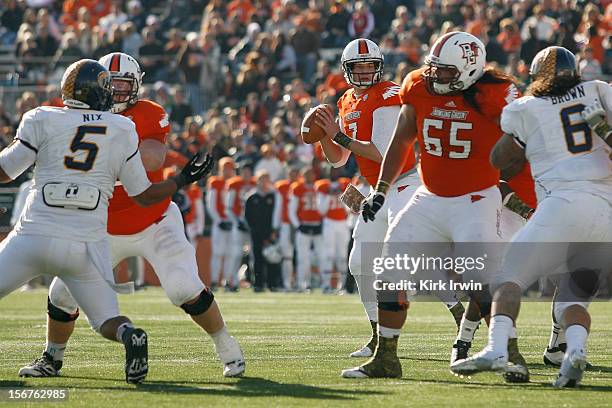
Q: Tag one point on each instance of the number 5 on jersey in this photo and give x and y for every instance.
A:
(78, 144)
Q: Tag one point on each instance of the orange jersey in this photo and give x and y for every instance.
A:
(307, 212)
(357, 114)
(217, 184)
(455, 137)
(238, 187)
(522, 184)
(125, 217)
(337, 210)
(194, 193)
(282, 186)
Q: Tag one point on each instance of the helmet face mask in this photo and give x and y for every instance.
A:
(456, 61)
(362, 63)
(127, 79)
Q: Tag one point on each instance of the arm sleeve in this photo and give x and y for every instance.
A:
(132, 174)
(605, 96)
(28, 131)
(199, 215)
(16, 158)
(278, 207)
(292, 210)
(211, 203)
(383, 125)
(510, 123)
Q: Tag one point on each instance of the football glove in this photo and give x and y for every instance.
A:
(194, 170)
(595, 116)
(371, 205)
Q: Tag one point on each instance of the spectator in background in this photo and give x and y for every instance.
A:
(306, 44)
(45, 43)
(180, 109)
(10, 19)
(509, 38)
(280, 20)
(336, 26)
(590, 68)
(245, 45)
(544, 27)
(95, 8)
(243, 9)
(190, 60)
(210, 71)
(255, 111)
(67, 53)
(249, 78)
(132, 40)
(283, 54)
(54, 97)
(136, 14)
(273, 95)
(269, 163)
(361, 23)
(116, 16)
(151, 54)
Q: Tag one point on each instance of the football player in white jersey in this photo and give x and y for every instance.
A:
(562, 128)
(79, 153)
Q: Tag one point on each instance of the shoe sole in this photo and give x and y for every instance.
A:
(138, 352)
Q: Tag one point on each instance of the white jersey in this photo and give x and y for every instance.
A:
(79, 154)
(563, 152)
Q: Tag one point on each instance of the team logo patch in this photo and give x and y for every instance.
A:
(352, 116)
(103, 79)
(391, 91)
(470, 52)
(476, 197)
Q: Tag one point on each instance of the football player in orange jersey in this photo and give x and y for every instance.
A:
(222, 227)
(336, 233)
(367, 114)
(452, 106)
(155, 233)
(285, 233)
(235, 196)
(306, 219)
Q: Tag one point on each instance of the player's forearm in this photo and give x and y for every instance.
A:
(333, 153)
(4, 178)
(156, 193)
(403, 138)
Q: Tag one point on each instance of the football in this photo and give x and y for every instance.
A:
(311, 132)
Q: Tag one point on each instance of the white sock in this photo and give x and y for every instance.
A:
(55, 350)
(466, 330)
(576, 336)
(513, 334)
(499, 332)
(387, 332)
(121, 329)
(220, 336)
(557, 336)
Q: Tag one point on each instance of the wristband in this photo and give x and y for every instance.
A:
(343, 140)
(382, 187)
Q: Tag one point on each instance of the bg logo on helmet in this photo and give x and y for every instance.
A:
(470, 52)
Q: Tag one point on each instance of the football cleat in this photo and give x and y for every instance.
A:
(136, 355)
(365, 351)
(460, 350)
(232, 357)
(554, 356)
(43, 366)
(572, 369)
(516, 371)
(384, 364)
(486, 360)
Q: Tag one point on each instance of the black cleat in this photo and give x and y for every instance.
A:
(460, 350)
(136, 355)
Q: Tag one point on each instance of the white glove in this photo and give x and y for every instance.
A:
(595, 116)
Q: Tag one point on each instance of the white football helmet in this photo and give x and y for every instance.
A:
(362, 50)
(123, 68)
(462, 54)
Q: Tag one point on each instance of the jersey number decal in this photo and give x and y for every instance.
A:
(309, 202)
(353, 129)
(577, 133)
(433, 145)
(78, 144)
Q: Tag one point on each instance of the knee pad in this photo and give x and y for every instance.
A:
(584, 283)
(392, 300)
(57, 314)
(201, 305)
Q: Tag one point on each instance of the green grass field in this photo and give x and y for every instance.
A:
(295, 347)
